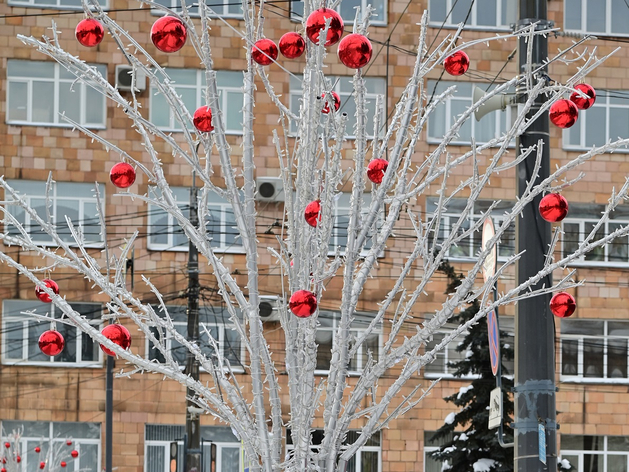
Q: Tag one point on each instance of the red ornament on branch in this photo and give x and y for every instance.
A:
(202, 119)
(563, 113)
(38, 449)
(355, 51)
(563, 304)
(316, 23)
(18, 459)
(337, 103)
(68, 442)
(43, 296)
(3, 470)
(313, 213)
(583, 103)
(376, 170)
(264, 52)
(169, 34)
(303, 303)
(117, 334)
(63, 464)
(457, 63)
(75, 453)
(42, 465)
(553, 207)
(292, 45)
(89, 32)
(122, 175)
(51, 343)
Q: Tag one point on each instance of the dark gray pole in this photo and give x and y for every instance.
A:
(109, 413)
(534, 326)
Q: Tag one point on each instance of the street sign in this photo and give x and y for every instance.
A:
(494, 341)
(495, 408)
(489, 264)
(541, 431)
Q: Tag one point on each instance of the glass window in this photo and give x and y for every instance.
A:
(596, 453)
(602, 17)
(432, 445)
(479, 14)
(226, 9)
(347, 9)
(341, 222)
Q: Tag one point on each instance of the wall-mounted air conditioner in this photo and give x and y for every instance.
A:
(270, 189)
(124, 78)
(269, 308)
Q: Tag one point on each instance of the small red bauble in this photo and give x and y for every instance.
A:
(553, 207)
(355, 51)
(457, 63)
(38, 449)
(68, 442)
(376, 170)
(75, 453)
(122, 175)
(264, 52)
(89, 32)
(63, 464)
(303, 303)
(202, 119)
(583, 103)
(563, 113)
(3, 470)
(292, 45)
(117, 334)
(562, 304)
(43, 296)
(337, 103)
(316, 23)
(51, 343)
(313, 213)
(42, 465)
(169, 34)
(18, 459)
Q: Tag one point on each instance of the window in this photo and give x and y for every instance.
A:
(341, 222)
(226, 9)
(190, 86)
(603, 16)
(38, 93)
(165, 234)
(76, 201)
(343, 86)
(51, 438)
(56, 4)
(483, 14)
(594, 349)
(430, 445)
(347, 9)
(20, 334)
(595, 453)
(157, 439)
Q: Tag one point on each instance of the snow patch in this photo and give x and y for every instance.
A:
(449, 419)
(564, 463)
(507, 346)
(463, 391)
(463, 437)
(483, 465)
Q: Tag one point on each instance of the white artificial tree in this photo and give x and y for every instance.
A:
(310, 164)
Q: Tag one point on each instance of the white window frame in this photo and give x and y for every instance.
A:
(79, 87)
(220, 10)
(472, 22)
(296, 14)
(583, 27)
(56, 6)
(342, 208)
(606, 453)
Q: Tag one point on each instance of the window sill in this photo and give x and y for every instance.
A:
(325, 373)
(436, 24)
(52, 7)
(73, 365)
(582, 149)
(436, 142)
(161, 248)
(593, 380)
(599, 264)
(9, 241)
(232, 16)
(53, 125)
(598, 35)
(172, 131)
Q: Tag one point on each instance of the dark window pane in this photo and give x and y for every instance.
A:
(617, 358)
(592, 357)
(569, 357)
(571, 238)
(323, 338)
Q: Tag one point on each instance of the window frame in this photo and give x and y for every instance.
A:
(342, 209)
(194, 13)
(473, 19)
(374, 21)
(605, 453)
(32, 4)
(583, 27)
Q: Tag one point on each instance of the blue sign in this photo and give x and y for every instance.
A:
(494, 341)
(542, 443)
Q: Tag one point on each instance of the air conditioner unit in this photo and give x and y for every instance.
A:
(124, 78)
(270, 189)
(269, 308)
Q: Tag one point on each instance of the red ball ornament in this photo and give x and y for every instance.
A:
(89, 32)
(457, 63)
(553, 207)
(4, 459)
(3, 470)
(43, 296)
(583, 103)
(63, 464)
(75, 453)
(292, 45)
(563, 304)
(316, 23)
(376, 170)
(303, 303)
(18, 459)
(355, 51)
(42, 465)
(68, 442)
(313, 213)
(38, 449)
(169, 34)
(563, 113)
(51, 343)
(337, 103)
(202, 119)
(117, 334)
(122, 175)
(264, 52)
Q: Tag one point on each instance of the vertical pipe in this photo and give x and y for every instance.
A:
(109, 413)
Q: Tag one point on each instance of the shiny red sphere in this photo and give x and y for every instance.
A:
(355, 51)
(303, 303)
(117, 334)
(376, 170)
(89, 32)
(264, 52)
(75, 453)
(563, 113)
(3, 470)
(38, 449)
(457, 63)
(202, 119)
(563, 304)
(42, 465)
(583, 103)
(51, 343)
(292, 45)
(43, 296)
(68, 442)
(122, 175)
(316, 23)
(63, 464)
(313, 213)
(169, 34)
(18, 459)
(553, 207)
(337, 103)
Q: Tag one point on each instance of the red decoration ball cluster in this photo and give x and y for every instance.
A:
(564, 113)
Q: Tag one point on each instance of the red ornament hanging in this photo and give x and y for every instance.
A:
(68, 442)
(457, 63)
(18, 459)
(264, 52)
(43, 296)
(376, 170)
(122, 175)
(583, 103)
(3, 470)
(38, 449)
(42, 465)
(51, 343)
(553, 207)
(313, 213)
(303, 303)
(202, 119)
(117, 334)
(75, 453)
(563, 113)
(563, 304)
(355, 51)
(63, 464)
(89, 32)
(169, 34)
(337, 103)
(292, 45)
(316, 23)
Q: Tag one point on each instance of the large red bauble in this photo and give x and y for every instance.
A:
(169, 34)
(355, 51)
(3, 470)
(63, 464)
(376, 170)
(303, 303)
(563, 113)
(51, 343)
(264, 52)
(89, 32)
(292, 45)
(202, 119)
(553, 207)
(42, 465)
(313, 213)
(581, 102)
(562, 304)
(316, 23)
(75, 453)
(117, 334)
(457, 63)
(337, 103)
(122, 175)
(43, 296)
